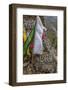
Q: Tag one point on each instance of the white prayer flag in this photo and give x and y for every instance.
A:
(38, 45)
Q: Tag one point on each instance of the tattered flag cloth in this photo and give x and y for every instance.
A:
(38, 45)
(28, 40)
(34, 40)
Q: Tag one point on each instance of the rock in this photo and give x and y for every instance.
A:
(25, 64)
